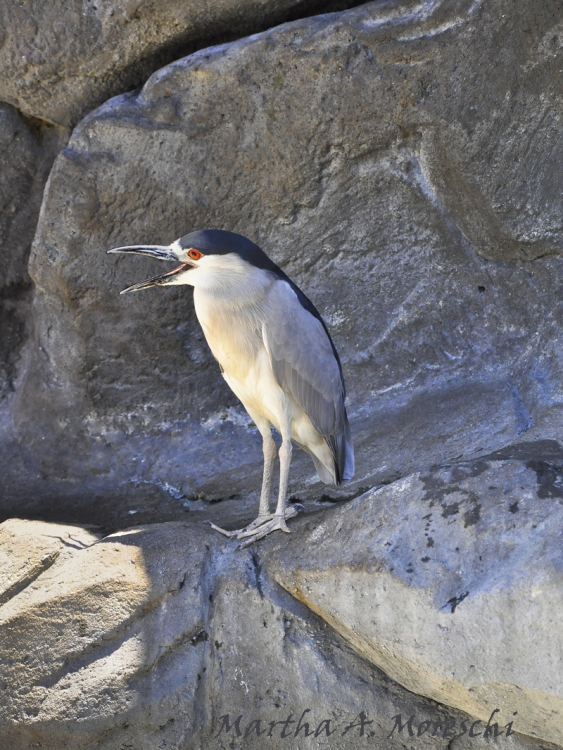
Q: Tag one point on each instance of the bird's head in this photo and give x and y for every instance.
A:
(211, 257)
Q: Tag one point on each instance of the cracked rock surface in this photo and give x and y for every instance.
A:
(29, 548)
(27, 152)
(150, 637)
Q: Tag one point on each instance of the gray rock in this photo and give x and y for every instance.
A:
(149, 637)
(398, 162)
(59, 61)
(27, 152)
(451, 582)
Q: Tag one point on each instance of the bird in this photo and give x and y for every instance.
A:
(275, 353)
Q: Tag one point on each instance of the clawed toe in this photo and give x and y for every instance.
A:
(260, 527)
(220, 530)
(277, 523)
(259, 521)
(247, 531)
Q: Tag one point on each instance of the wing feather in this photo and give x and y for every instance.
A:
(306, 365)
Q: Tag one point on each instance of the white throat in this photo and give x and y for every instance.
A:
(229, 280)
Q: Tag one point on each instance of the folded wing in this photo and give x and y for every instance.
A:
(306, 366)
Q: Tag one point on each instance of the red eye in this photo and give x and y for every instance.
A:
(194, 254)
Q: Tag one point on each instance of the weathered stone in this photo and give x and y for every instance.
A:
(149, 637)
(27, 152)
(398, 162)
(451, 581)
(58, 61)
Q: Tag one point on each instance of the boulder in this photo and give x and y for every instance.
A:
(397, 162)
(167, 636)
(451, 582)
(59, 61)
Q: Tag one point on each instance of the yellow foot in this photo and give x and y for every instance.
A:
(260, 527)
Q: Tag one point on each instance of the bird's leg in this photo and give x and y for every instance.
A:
(267, 522)
(278, 520)
(270, 451)
(286, 450)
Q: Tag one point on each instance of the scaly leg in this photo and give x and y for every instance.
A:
(270, 451)
(267, 522)
(278, 520)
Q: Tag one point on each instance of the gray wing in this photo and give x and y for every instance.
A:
(306, 366)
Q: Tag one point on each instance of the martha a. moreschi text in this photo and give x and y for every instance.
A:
(304, 725)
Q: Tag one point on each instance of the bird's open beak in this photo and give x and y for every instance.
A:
(161, 252)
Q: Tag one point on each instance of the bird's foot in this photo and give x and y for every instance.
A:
(261, 526)
(273, 523)
(236, 533)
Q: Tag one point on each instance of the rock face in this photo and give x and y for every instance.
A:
(58, 61)
(151, 637)
(398, 162)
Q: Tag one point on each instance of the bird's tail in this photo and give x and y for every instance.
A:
(343, 453)
(342, 449)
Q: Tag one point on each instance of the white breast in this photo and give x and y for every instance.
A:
(229, 304)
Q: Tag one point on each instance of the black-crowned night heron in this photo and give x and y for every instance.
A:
(275, 353)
